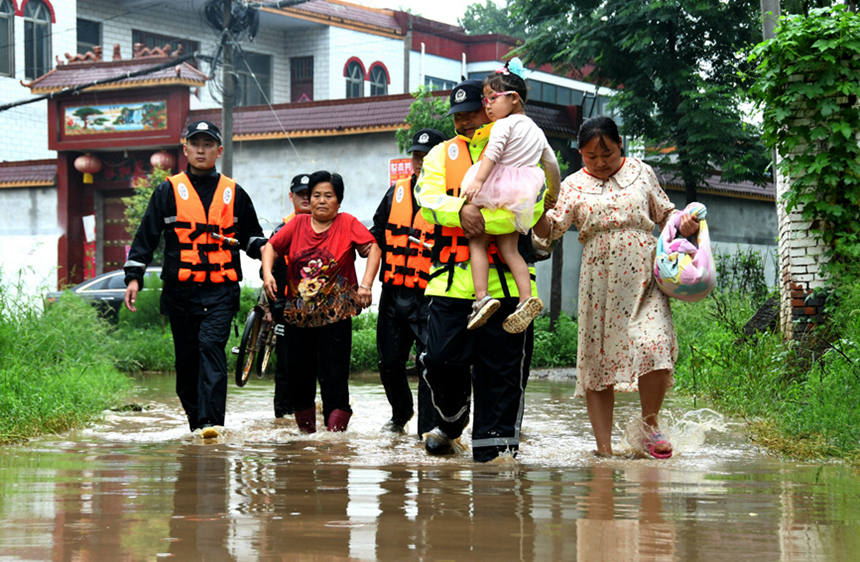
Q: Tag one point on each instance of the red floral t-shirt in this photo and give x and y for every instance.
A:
(321, 280)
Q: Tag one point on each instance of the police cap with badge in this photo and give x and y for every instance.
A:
(207, 128)
(425, 139)
(300, 182)
(466, 96)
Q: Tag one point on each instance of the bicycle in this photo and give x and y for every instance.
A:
(257, 343)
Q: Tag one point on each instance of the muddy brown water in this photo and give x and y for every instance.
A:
(138, 486)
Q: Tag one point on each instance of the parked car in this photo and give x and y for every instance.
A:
(105, 291)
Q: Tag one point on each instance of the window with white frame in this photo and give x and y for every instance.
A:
(378, 81)
(7, 38)
(354, 80)
(37, 39)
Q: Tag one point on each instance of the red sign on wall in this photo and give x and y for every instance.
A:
(399, 169)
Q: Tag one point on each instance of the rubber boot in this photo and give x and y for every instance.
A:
(337, 420)
(307, 420)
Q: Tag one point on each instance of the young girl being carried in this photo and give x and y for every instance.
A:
(508, 177)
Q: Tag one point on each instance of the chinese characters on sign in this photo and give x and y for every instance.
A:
(399, 168)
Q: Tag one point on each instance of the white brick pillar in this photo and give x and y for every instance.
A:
(801, 255)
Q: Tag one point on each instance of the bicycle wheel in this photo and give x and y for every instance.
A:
(248, 346)
(265, 344)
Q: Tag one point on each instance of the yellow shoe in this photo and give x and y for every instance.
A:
(520, 318)
(209, 432)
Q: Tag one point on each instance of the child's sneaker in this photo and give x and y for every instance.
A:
(481, 312)
(520, 318)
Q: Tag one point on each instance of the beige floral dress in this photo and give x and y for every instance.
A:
(625, 323)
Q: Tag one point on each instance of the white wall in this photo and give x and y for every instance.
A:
(29, 237)
(32, 118)
(436, 66)
(345, 44)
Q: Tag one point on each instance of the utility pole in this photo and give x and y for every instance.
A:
(228, 95)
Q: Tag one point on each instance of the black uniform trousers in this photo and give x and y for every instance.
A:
(490, 362)
(402, 322)
(201, 327)
(319, 354)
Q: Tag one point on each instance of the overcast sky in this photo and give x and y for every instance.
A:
(446, 11)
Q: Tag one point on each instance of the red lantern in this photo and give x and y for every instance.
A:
(88, 165)
(162, 159)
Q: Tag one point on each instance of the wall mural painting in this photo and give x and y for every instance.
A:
(126, 117)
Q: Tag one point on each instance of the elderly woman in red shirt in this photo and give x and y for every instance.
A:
(322, 297)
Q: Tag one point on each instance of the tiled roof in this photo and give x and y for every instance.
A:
(352, 116)
(80, 73)
(347, 12)
(716, 185)
(27, 173)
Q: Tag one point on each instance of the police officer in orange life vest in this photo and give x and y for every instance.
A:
(206, 219)
(405, 238)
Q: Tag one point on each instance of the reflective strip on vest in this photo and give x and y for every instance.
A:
(202, 256)
(407, 263)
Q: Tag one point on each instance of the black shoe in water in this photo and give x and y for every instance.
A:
(437, 442)
(392, 426)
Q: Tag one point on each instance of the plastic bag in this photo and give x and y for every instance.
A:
(685, 270)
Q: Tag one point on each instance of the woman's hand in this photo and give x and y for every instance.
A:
(364, 296)
(270, 286)
(689, 225)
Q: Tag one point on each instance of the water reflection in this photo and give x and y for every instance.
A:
(137, 487)
(199, 525)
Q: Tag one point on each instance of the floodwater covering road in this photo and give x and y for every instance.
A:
(138, 486)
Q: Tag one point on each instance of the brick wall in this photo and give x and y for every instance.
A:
(801, 255)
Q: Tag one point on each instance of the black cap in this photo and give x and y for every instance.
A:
(300, 183)
(466, 96)
(203, 128)
(425, 139)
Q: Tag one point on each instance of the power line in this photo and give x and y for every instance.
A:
(265, 96)
(82, 87)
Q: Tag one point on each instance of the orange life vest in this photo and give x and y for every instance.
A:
(407, 263)
(451, 245)
(202, 256)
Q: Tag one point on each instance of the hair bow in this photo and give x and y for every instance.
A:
(515, 66)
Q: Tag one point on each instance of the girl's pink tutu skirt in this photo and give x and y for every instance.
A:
(515, 189)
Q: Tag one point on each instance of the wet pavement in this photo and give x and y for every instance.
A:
(138, 486)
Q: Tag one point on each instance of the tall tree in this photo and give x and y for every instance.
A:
(674, 64)
(479, 19)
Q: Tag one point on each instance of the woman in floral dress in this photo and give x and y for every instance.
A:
(626, 340)
(322, 297)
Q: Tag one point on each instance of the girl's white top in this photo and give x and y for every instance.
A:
(516, 141)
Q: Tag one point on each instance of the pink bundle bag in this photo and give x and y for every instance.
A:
(685, 270)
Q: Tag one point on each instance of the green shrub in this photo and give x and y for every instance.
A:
(58, 369)
(558, 348)
(364, 356)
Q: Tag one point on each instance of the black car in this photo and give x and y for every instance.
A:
(105, 291)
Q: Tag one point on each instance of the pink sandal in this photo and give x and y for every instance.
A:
(651, 442)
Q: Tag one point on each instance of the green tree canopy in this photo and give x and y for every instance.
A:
(427, 111)
(674, 64)
(480, 19)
